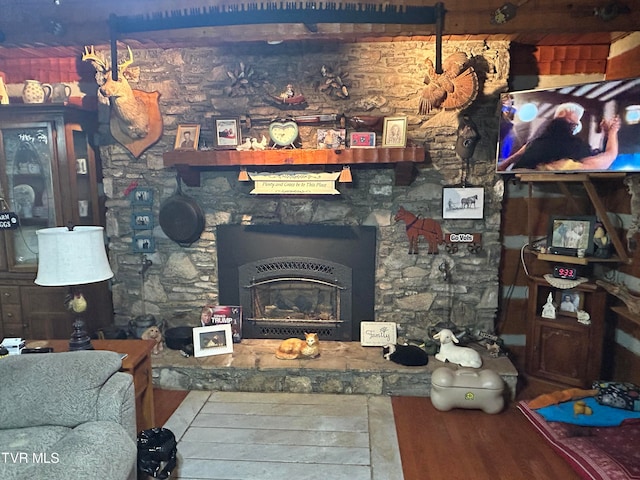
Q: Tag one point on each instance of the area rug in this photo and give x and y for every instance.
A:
(595, 453)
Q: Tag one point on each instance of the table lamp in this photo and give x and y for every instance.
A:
(73, 256)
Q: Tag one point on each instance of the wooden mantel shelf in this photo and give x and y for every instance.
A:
(190, 163)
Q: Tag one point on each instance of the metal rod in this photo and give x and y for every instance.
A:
(283, 279)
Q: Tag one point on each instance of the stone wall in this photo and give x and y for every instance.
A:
(384, 78)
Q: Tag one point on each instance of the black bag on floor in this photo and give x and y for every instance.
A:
(157, 451)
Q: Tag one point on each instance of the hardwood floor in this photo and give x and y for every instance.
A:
(459, 444)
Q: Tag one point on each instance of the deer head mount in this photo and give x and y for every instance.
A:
(135, 115)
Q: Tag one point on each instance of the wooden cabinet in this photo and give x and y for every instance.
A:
(561, 349)
(49, 176)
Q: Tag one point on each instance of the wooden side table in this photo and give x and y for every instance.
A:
(137, 363)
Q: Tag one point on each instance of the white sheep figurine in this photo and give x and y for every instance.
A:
(449, 351)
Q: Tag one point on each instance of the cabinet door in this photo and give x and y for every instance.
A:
(561, 351)
(29, 155)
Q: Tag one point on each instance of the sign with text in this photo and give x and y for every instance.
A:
(378, 334)
(9, 221)
(295, 183)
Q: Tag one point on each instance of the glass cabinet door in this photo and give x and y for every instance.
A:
(29, 155)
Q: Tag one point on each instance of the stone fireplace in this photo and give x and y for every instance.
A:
(295, 279)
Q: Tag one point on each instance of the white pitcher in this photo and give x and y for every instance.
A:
(35, 92)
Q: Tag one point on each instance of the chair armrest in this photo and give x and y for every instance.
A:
(117, 402)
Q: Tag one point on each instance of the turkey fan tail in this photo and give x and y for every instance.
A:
(464, 92)
(425, 106)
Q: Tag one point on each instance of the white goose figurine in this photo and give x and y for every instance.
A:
(245, 146)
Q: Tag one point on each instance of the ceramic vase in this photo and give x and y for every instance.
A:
(35, 92)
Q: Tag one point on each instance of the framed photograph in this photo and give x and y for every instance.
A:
(362, 140)
(569, 302)
(212, 340)
(394, 132)
(378, 334)
(143, 244)
(142, 220)
(81, 166)
(141, 197)
(331, 138)
(226, 133)
(187, 137)
(463, 203)
(571, 236)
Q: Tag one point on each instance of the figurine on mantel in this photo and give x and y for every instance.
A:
(549, 309)
(293, 348)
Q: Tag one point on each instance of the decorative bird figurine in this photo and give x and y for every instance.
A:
(259, 145)
(245, 146)
(456, 87)
(76, 302)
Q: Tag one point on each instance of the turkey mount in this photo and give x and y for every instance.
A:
(455, 88)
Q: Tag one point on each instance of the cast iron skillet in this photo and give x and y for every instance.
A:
(181, 218)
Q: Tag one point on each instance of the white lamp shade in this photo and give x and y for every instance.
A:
(71, 257)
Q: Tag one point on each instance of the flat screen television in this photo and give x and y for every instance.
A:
(571, 129)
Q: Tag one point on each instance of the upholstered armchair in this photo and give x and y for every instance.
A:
(66, 416)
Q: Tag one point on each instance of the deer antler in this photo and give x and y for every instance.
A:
(123, 66)
(98, 61)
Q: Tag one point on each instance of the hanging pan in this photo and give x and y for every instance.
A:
(181, 218)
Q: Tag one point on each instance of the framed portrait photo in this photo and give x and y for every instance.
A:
(569, 302)
(142, 220)
(331, 138)
(226, 132)
(362, 139)
(394, 132)
(212, 340)
(143, 244)
(141, 197)
(187, 137)
(463, 203)
(571, 235)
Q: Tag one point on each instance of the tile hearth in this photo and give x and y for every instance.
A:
(272, 436)
(343, 367)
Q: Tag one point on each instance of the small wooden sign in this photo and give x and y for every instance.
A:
(295, 183)
(378, 334)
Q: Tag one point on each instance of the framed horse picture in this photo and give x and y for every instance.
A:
(463, 203)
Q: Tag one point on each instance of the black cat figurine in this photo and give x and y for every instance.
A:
(407, 355)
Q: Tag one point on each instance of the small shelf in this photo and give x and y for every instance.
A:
(624, 312)
(586, 180)
(190, 163)
(550, 257)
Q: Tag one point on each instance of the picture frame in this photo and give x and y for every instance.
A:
(143, 244)
(463, 203)
(142, 220)
(331, 138)
(571, 235)
(212, 340)
(569, 302)
(187, 137)
(378, 334)
(394, 132)
(141, 197)
(226, 132)
(81, 166)
(362, 140)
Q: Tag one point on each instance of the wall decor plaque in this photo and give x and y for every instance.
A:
(295, 183)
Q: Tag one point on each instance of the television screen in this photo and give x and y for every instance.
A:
(593, 127)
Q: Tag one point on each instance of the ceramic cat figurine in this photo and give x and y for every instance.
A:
(408, 355)
(293, 348)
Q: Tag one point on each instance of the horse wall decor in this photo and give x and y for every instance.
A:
(416, 226)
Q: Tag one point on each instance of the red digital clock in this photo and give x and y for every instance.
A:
(563, 271)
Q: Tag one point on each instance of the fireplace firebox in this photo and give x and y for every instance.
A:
(292, 280)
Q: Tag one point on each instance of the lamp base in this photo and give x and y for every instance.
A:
(80, 340)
